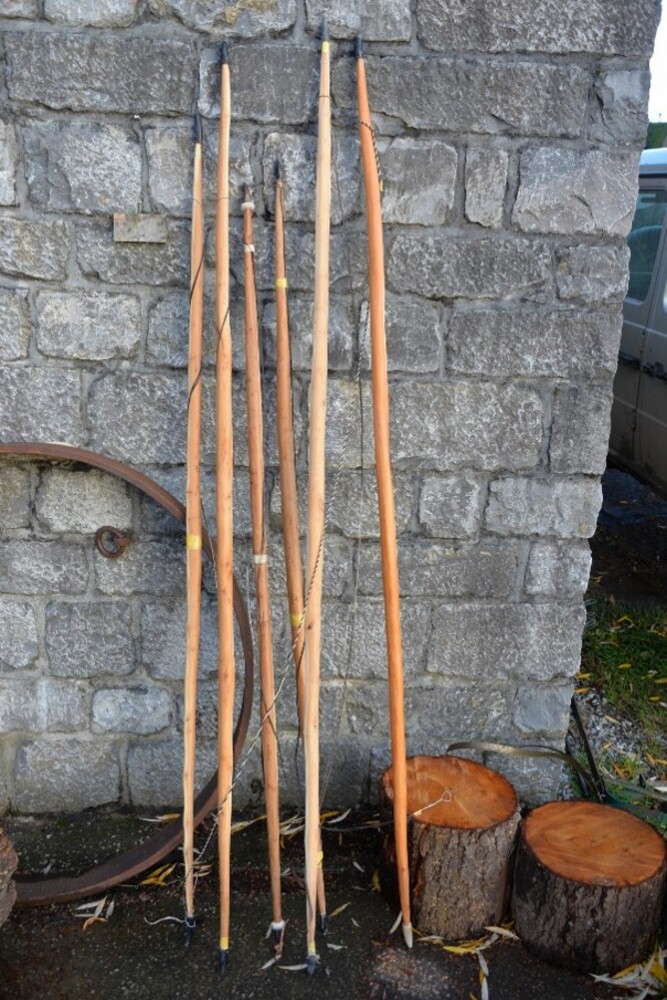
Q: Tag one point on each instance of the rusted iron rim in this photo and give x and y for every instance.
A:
(123, 867)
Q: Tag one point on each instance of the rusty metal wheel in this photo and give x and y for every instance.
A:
(123, 867)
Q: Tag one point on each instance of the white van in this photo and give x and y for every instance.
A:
(639, 412)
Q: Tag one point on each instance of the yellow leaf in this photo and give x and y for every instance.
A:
(583, 677)
(375, 881)
(339, 910)
(93, 920)
(582, 690)
(660, 680)
(159, 876)
(624, 666)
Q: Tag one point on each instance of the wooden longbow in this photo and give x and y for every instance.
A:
(193, 528)
(316, 496)
(224, 485)
(388, 547)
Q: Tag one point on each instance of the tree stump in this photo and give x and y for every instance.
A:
(8, 863)
(461, 833)
(588, 886)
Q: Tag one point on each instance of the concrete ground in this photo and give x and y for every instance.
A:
(45, 952)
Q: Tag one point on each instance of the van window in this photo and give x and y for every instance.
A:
(644, 239)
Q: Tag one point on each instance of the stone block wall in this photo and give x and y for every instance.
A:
(508, 137)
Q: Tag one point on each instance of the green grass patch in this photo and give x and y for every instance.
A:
(625, 655)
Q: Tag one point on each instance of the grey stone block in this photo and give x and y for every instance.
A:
(446, 711)
(619, 109)
(139, 418)
(89, 639)
(153, 264)
(341, 333)
(151, 567)
(235, 20)
(169, 152)
(20, 8)
(343, 773)
(344, 423)
(139, 227)
(40, 405)
(414, 334)
(168, 324)
(129, 74)
(600, 28)
(485, 185)
(92, 13)
(37, 567)
(536, 780)
(491, 97)
(429, 569)
(471, 266)
(354, 643)
(15, 497)
(527, 641)
(14, 324)
(565, 508)
(155, 770)
(34, 249)
(82, 501)
(90, 325)
(273, 64)
(8, 163)
(542, 710)
(374, 21)
(551, 344)
(67, 773)
(558, 569)
(451, 506)
(137, 709)
(83, 167)
(592, 275)
(418, 181)
(297, 155)
(576, 191)
(43, 705)
(352, 505)
(467, 424)
(580, 430)
(163, 628)
(18, 638)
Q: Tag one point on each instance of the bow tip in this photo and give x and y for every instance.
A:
(358, 47)
(407, 934)
(312, 963)
(223, 960)
(190, 925)
(277, 171)
(198, 129)
(325, 30)
(224, 53)
(324, 923)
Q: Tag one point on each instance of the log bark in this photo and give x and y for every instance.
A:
(462, 827)
(8, 863)
(589, 883)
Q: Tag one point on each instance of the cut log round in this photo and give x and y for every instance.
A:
(8, 863)
(463, 820)
(589, 882)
